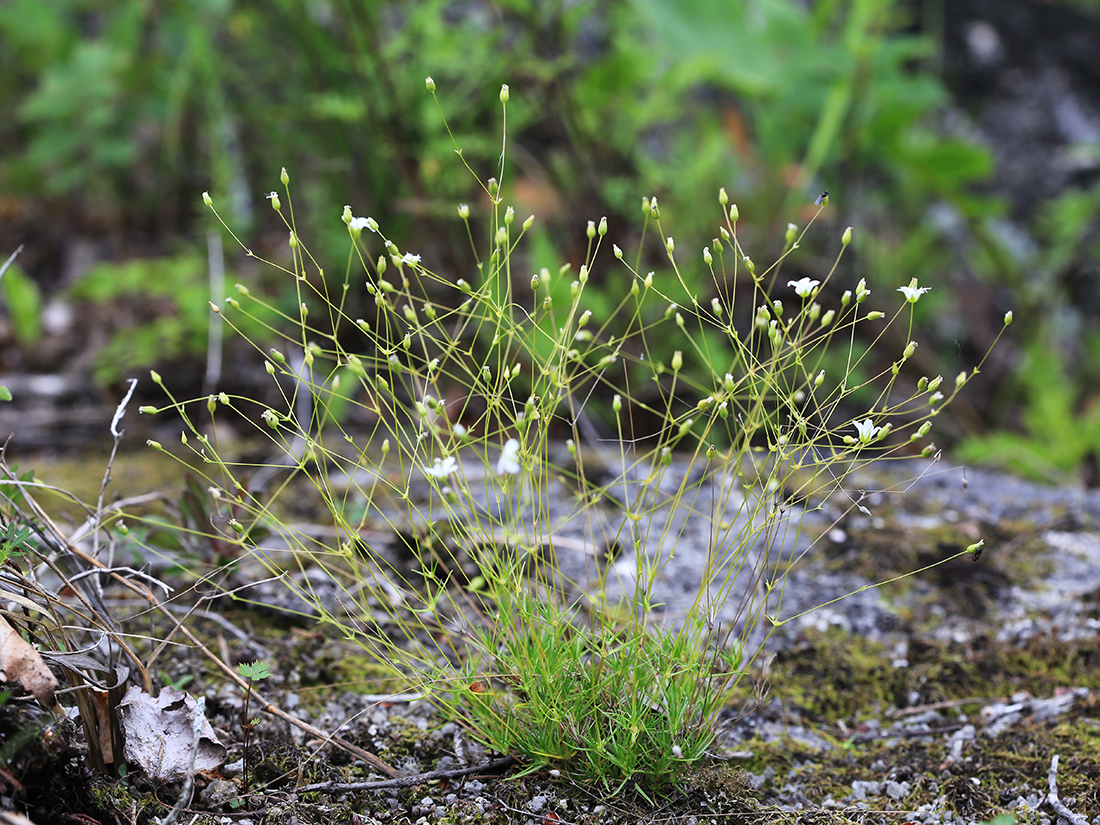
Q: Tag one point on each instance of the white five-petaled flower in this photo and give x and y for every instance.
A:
(441, 469)
(359, 224)
(804, 287)
(866, 429)
(913, 292)
(509, 458)
(409, 258)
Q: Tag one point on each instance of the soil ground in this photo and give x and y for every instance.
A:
(940, 698)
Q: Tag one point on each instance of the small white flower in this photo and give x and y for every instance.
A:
(409, 258)
(359, 224)
(677, 752)
(441, 469)
(866, 429)
(459, 431)
(509, 458)
(804, 287)
(912, 292)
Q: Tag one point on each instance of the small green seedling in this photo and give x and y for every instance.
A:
(254, 672)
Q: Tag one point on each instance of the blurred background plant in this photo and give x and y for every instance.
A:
(122, 113)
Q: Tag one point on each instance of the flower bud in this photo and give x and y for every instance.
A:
(846, 238)
(429, 84)
(707, 258)
(820, 379)
(527, 224)
(156, 445)
(284, 178)
(618, 252)
(493, 185)
(716, 307)
(909, 350)
(828, 317)
(1008, 317)
(509, 216)
(617, 403)
(960, 379)
(464, 210)
(535, 282)
(156, 377)
(792, 232)
(670, 245)
(677, 360)
(504, 93)
(934, 384)
(207, 199)
(734, 213)
(874, 316)
(723, 198)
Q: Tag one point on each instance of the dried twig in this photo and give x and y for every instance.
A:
(1055, 802)
(409, 781)
(10, 260)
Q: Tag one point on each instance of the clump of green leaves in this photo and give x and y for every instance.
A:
(479, 454)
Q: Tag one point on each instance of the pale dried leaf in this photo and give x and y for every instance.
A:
(159, 735)
(20, 662)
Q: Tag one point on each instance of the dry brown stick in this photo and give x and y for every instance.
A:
(1055, 802)
(274, 710)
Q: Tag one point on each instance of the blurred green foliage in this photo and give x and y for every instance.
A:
(160, 312)
(20, 296)
(124, 112)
